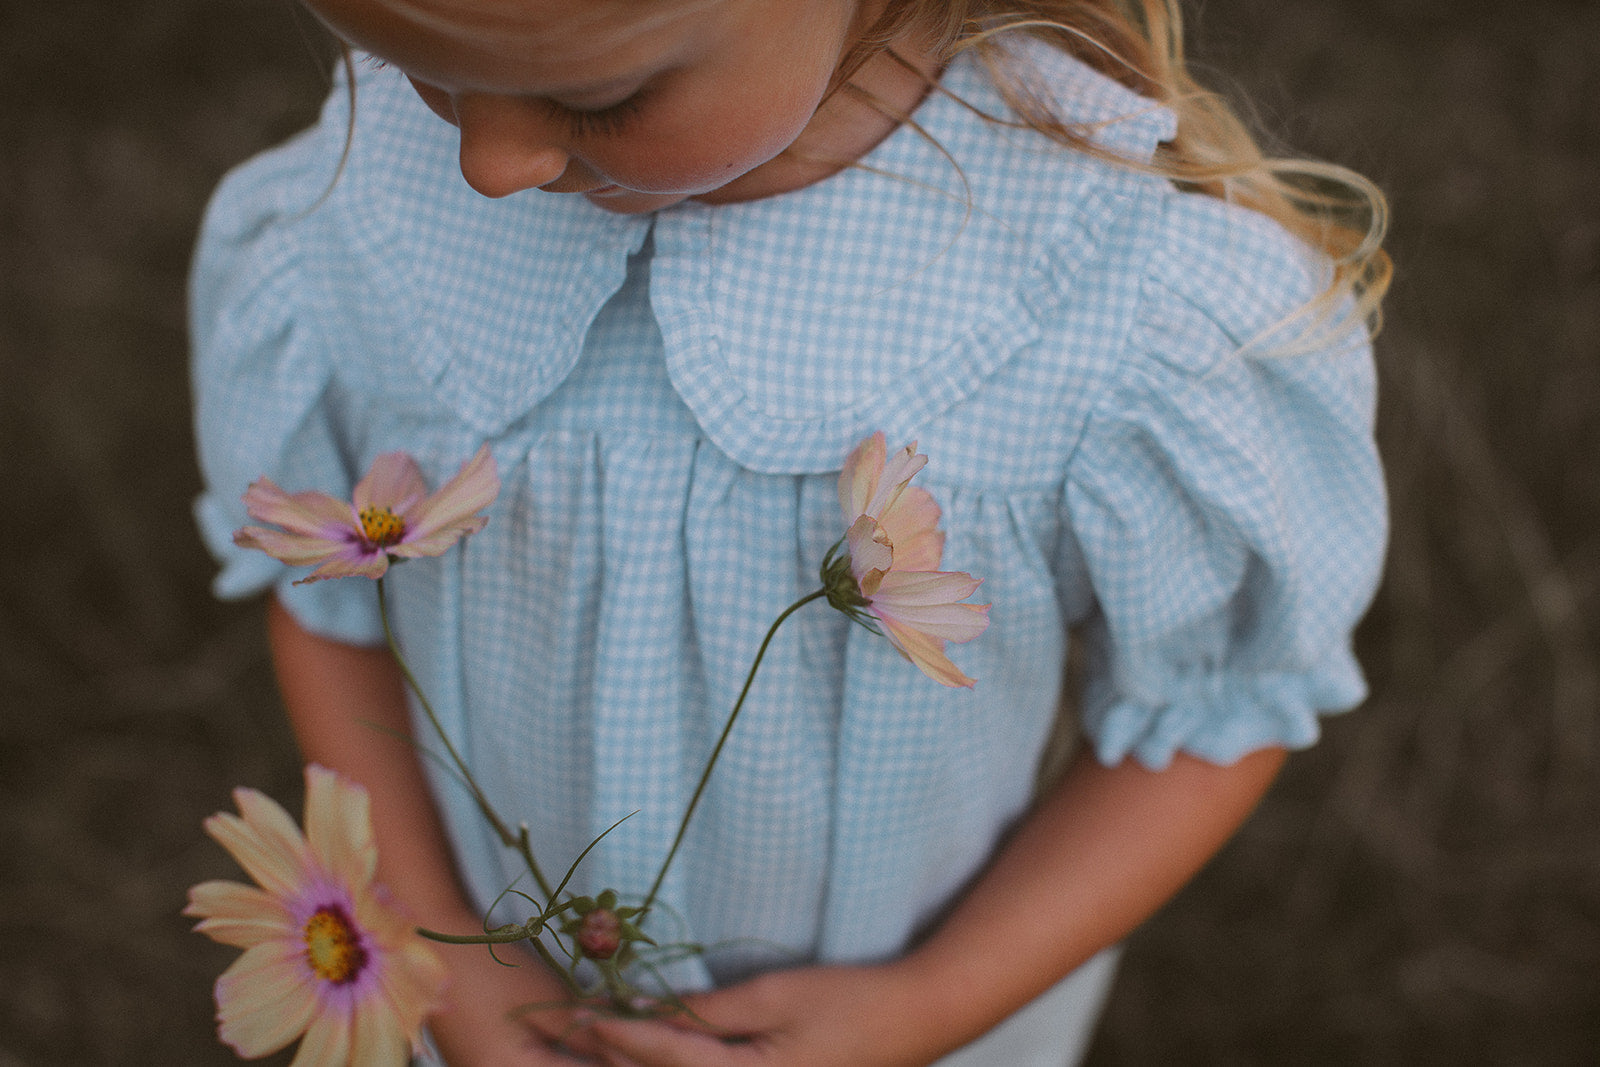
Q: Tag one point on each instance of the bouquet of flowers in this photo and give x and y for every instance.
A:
(327, 958)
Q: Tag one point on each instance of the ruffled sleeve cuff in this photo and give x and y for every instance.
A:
(1227, 503)
(1219, 716)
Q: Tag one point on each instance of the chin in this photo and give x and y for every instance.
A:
(621, 201)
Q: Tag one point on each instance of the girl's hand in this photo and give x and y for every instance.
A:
(809, 1017)
(496, 1016)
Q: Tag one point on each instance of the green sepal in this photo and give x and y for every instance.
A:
(630, 932)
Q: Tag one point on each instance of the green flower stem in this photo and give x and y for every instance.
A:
(574, 990)
(510, 934)
(518, 841)
(727, 729)
(500, 935)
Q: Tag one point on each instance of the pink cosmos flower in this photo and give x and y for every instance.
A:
(324, 957)
(895, 549)
(391, 516)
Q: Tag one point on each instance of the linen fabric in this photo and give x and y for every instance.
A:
(1079, 348)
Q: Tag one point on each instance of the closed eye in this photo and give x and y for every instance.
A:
(602, 122)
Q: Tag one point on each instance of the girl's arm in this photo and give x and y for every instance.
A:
(1097, 856)
(347, 706)
(1100, 855)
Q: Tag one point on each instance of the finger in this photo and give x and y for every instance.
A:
(657, 1044)
(724, 1012)
(576, 1039)
(544, 1048)
(568, 1054)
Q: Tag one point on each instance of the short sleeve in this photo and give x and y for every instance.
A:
(262, 377)
(1227, 502)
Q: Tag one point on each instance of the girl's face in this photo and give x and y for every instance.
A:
(636, 104)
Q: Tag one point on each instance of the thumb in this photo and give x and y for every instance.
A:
(737, 1010)
(673, 1041)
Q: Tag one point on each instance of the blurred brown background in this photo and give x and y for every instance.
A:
(1423, 887)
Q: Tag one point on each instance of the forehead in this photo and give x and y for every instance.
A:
(521, 45)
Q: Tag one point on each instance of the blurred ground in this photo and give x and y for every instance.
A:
(1423, 887)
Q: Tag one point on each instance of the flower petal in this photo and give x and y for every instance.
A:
(327, 1041)
(310, 513)
(237, 914)
(265, 1000)
(438, 540)
(947, 622)
(870, 553)
(414, 984)
(264, 841)
(295, 549)
(859, 478)
(440, 520)
(394, 481)
(375, 914)
(923, 588)
(928, 602)
(339, 827)
(912, 525)
(926, 653)
(378, 1036)
(871, 481)
(897, 471)
(356, 563)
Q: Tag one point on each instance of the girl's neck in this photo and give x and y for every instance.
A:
(855, 119)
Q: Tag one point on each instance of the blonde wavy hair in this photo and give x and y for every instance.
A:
(1139, 43)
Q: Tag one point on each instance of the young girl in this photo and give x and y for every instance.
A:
(672, 259)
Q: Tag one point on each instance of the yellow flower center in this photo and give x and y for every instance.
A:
(332, 948)
(381, 526)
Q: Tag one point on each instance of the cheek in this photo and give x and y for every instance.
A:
(701, 154)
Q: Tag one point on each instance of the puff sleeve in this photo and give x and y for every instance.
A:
(263, 377)
(1227, 503)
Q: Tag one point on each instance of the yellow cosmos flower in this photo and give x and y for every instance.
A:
(324, 956)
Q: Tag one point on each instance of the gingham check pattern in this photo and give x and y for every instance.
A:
(670, 399)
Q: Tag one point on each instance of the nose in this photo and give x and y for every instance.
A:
(507, 145)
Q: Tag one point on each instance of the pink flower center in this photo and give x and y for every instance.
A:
(332, 947)
(381, 526)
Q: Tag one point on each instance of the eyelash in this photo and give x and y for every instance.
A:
(604, 122)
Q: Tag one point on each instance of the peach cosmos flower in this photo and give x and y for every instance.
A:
(895, 547)
(324, 957)
(391, 516)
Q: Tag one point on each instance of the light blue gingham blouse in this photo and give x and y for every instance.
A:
(670, 398)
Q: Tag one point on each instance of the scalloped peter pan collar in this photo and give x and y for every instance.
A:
(793, 325)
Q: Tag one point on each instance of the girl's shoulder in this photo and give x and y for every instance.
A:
(1063, 227)
(1184, 245)
(1241, 269)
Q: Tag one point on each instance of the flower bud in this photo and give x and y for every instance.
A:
(600, 934)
